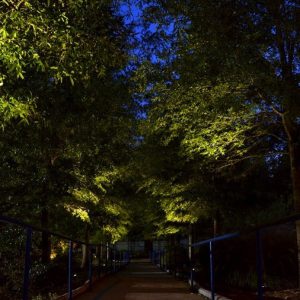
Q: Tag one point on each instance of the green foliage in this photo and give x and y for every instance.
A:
(66, 115)
(12, 108)
(220, 91)
(97, 201)
(215, 94)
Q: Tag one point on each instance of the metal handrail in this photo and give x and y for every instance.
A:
(259, 255)
(9, 220)
(217, 239)
(27, 263)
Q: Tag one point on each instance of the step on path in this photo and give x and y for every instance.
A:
(140, 280)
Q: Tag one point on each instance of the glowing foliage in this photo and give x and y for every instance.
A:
(60, 87)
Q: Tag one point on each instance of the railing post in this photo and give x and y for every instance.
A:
(114, 257)
(169, 262)
(160, 259)
(127, 257)
(90, 267)
(27, 263)
(107, 256)
(192, 279)
(259, 266)
(212, 270)
(70, 272)
(117, 260)
(111, 256)
(175, 260)
(99, 260)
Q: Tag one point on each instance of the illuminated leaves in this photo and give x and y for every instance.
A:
(226, 136)
(78, 212)
(12, 108)
(60, 64)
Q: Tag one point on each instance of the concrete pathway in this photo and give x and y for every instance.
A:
(140, 280)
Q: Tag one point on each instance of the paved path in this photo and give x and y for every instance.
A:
(140, 280)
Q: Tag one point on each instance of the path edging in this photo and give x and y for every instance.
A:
(207, 294)
(80, 290)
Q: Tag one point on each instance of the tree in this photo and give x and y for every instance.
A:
(65, 108)
(229, 93)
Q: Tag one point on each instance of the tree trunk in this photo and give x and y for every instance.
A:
(295, 174)
(292, 131)
(84, 256)
(294, 149)
(190, 241)
(85, 249)
(46, 241)
(215, 226)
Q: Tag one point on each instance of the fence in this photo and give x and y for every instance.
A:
(102, 258)
(266, 255)
(172, 259)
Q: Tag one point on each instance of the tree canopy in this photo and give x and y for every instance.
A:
(147, 117)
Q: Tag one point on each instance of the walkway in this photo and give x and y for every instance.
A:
(140, 280)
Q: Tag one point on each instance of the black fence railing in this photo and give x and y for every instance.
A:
(102, 259)
(172, 258)
(257, 263)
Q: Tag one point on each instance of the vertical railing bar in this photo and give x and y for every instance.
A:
(118, 259)
(111, 253)
(27, 263)
(160, 259)
(169, 262)
(192, 279)
(259, 266)
(175, 260)
(106, 258)
(99, 260)
(70, 272)
(90, 267)
(212, 270)
(114, 259)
